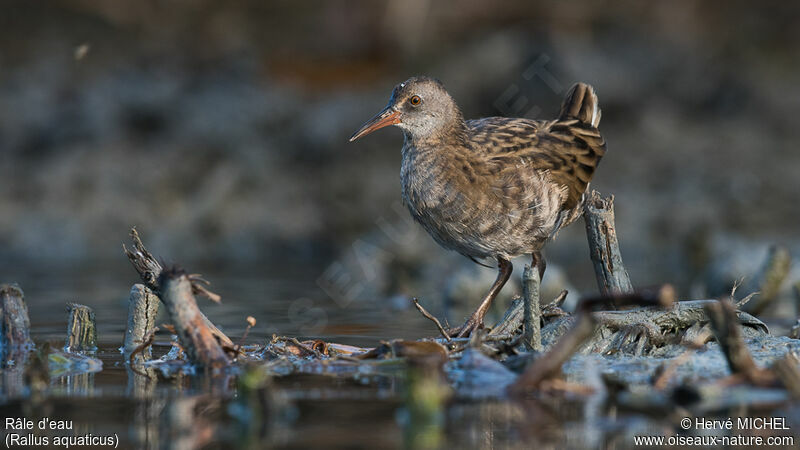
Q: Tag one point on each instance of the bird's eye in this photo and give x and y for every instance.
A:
(415, 100)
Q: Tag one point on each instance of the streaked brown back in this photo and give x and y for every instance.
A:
(570, 147)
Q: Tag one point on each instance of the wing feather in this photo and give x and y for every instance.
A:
(569, 150)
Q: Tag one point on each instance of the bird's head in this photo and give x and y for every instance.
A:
(421, 107)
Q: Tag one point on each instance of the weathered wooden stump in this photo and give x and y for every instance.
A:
(598, 214)
(81, 329)
(15, 337)
(532, 312)
(142, 311)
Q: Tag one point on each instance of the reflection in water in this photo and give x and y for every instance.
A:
(383, 408)
(335, 406)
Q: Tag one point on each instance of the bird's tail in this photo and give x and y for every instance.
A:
(581, 103)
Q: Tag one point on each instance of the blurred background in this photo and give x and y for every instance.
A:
(220, 130)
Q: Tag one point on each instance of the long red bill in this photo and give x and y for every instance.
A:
(384, 118)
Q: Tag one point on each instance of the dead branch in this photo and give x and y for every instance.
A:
(741, 303)
(149, 270)
(81, 329)
(532, 313)
(432, 318)
(15, 338)
(598, 214)
(251, 322)
(513, 318)
(549, 365)
(195, 336)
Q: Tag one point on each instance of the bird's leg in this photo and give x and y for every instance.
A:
(476, 320)
(537, 260)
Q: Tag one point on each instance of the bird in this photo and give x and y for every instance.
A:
(493, 188)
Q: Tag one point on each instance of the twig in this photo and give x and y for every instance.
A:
(736, 284)
(513, 318)
(147, 342)
(149, 269)
(532, 314)
(598, 214)
(746, 300)
(251, 322)
(433, 319)
(558, 301)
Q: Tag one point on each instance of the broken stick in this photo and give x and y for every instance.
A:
(195, 336)
(532, 314)
(432, 318)
(149, 270)
(598, 214)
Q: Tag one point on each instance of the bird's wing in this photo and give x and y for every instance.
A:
(569, 150)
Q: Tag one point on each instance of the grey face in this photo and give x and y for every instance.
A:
(424, 105)
(420, 106)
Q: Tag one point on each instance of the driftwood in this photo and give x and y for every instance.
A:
(548, 366)
(196, 338)
(81, 329)
(598, 214)
(142, 311)
(682, 315)
(532, 313)
(149, 270)
(15, 338)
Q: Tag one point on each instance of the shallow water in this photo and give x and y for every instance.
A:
(365, 410)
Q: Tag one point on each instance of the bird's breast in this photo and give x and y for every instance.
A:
(477, 212)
